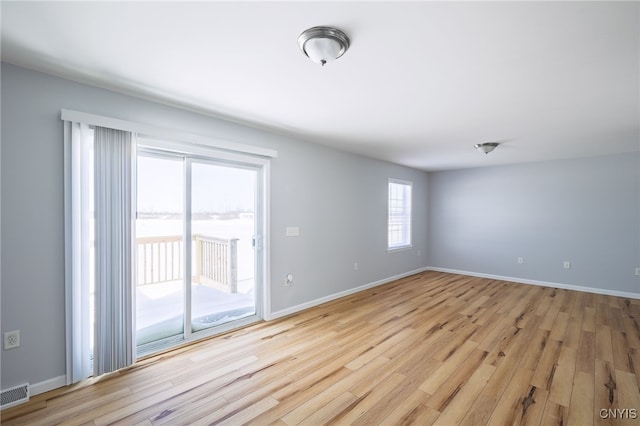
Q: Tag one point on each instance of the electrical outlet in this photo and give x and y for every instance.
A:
(355, 266)
(567, 264)
(12, 339)
(637, 271)
(520, 259)
(288, 280)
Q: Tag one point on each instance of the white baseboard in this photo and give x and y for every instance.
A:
(47, 385)
(539, 283)
(329, 298)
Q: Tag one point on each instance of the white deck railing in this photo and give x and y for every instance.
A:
(216, 262)
(159, 259)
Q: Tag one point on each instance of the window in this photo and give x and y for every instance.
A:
(399, 222)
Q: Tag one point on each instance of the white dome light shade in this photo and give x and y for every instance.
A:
(486, 147)
(322, 50)
(323, 44)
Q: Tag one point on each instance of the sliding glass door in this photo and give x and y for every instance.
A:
(198, 269)
(223, 211)
(159, 250)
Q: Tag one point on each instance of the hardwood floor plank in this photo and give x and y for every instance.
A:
(342, 386)
(446, 392)
(572, 336)
(252, 403)
(631, 326)
(578, 304)
(60, 413)
(628, 398)
(602, 313)
(330, 410)
(487, 340)
(554, 414)
(622, 351)
(416, 363)
(369, 398)
(254, 410)
(407, 411)
(456, 409)
(446, 370)
(549, 318)
(545, 300)
(605, 393)
(560, 326)
(505, 343)
(546, 369)
(193, 407)
(586, 352)
(453, 344)
(604, 349)
(562, 383)
(616, 316)
(432, 348)
(387, 405)
(510, 409)
(535, 348)
(581, 410)
(395, 339)
(589, 319)
(536, 401)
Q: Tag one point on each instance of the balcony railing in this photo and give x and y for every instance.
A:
(216, 262)
(159, 259)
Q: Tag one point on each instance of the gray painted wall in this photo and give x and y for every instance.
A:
(338, 200)
(586, 211)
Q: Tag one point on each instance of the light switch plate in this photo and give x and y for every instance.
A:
(293, 231)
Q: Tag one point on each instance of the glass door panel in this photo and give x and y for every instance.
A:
(159, 251)
(223, 226)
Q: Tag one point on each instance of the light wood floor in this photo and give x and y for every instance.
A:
(432, 348)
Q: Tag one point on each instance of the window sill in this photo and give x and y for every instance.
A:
(399, 248)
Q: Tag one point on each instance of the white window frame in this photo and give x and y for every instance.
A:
(406, 213)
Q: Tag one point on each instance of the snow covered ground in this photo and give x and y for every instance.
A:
(160, 307)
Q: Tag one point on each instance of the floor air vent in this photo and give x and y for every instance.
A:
(14, 396)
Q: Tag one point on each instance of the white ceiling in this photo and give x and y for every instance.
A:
(421, 84)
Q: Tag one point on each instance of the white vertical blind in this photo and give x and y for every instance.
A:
(99, 194)
(114, 344)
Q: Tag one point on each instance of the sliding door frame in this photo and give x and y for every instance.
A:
(190, 154)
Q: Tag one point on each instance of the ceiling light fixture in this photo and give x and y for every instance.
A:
(486, 147)
(323, 44)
